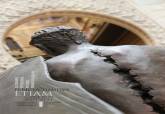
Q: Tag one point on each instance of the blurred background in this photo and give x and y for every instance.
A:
(97, 30)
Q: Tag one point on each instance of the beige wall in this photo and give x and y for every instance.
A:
(118, 12)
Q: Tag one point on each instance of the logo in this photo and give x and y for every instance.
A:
(20, 82)
(34, 95)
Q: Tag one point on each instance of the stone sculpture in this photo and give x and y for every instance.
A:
(129, 77)
(29, 89)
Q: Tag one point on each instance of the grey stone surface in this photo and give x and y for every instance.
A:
(66, 98)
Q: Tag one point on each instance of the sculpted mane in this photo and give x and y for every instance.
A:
(57, 40)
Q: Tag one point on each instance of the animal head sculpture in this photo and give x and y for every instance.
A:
(57, 40)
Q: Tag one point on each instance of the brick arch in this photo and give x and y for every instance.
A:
(130, 17)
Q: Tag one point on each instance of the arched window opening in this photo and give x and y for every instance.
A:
(12, 45)
(99, 30)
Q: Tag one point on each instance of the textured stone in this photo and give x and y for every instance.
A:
(17, 9)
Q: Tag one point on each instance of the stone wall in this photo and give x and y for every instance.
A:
(13, 10)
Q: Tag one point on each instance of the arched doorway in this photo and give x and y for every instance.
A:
(99, 30)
